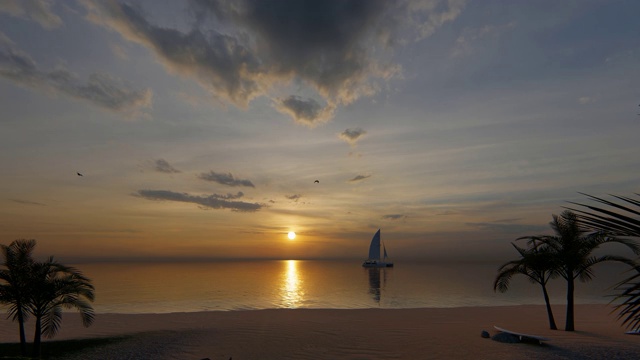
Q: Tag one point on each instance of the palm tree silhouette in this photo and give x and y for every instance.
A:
(536, 264)
(620, 218)
(610, 220)
(56, 286)
(572, 248)
(14, 289)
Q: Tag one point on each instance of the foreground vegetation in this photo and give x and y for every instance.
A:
(622, 218)
(568, 254)
(41, 289)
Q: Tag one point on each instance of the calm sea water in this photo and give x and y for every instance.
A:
(235, 285)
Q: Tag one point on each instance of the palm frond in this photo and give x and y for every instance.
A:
(51, 322)
(612, 220)
(629, 309)
(503, 278)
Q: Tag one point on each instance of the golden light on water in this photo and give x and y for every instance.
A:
(292, 293)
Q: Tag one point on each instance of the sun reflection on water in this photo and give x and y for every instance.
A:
(292, 292)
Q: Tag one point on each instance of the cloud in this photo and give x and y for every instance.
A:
(304, 111)
(468, 41)
(225, 179)
(428, 15)
(101, 89)
(213, 201)
(119, 51)
(393, 217)
(163, 166)
(337, 50)
(352, 135)
(34, 10)
(359, 178)
(585, 100)
(221, 63)
(229, 196)
(25, 202)
(294, 197)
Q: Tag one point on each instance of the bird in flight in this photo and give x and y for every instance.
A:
(79, 174)
(316, 182)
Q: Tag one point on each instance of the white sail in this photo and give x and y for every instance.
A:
(374, 248)
(374, 253)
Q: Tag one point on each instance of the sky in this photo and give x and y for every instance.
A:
(200, 127)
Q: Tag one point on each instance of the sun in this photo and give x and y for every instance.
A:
(291, 235)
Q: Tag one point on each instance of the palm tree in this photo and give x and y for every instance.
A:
(535, 263)
(14, 289)
(620, 218)
(56, 286)
(610, 220)
(572, 247)
(630, 307)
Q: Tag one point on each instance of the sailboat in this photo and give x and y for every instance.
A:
(374, 254)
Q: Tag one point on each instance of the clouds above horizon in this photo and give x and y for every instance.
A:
(26, 202)
(225, 179)
(352, 135)
(34, 10)
(359, 178)
(337, 50)
(438, 120)
(294, 197)
(100, 89)
(213, 201)
(394, 216)
(305, 111)
(162, 165)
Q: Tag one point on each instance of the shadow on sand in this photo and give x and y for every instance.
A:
(57, 349)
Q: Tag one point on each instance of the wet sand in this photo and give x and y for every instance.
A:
(429, 333)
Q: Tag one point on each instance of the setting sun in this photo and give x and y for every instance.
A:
(291, 235)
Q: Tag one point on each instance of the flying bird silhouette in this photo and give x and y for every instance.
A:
(79, 174)
(316, 182)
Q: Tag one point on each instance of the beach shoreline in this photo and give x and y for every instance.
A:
(421, 333)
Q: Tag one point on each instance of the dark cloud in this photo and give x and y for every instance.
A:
(213, 201)
(219, 62)
(338, 50)
(35, 10)
(294, 197)
(229, 196)
(225, 179)
(25, 202)
(162, 165)
(359, 178)
(393, 217)
(100, 89)
(305, 111)
(325, 43)
(352, 135)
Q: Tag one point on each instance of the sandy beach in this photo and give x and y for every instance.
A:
(431, 333)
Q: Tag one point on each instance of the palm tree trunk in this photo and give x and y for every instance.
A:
(570, 288)
(23, 338)
(552, 321)
(36, 338)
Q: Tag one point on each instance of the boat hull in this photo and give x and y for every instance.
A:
(376, 264)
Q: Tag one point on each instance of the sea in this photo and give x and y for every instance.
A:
(168, 287)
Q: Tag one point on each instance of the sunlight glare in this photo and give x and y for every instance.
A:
(291, 235)
(292, 293)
